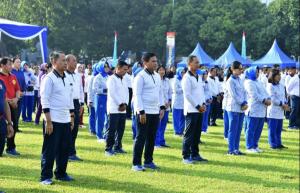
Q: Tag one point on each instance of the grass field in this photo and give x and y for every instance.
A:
(271, 171)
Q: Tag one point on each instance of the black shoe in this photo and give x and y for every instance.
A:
(199, 159)
(275, 148)
(282, 147)
(93, 133)
(213, 124)
(121, 151)
(230, 153)
(165, 146)
(237, 152)
(66, 178)
(74, 158)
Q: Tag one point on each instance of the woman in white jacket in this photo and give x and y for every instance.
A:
(208, 99)
(167, 97)
(177, 102)
(258, 99)
(275, 112)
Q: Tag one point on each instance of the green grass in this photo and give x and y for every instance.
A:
(271, 171)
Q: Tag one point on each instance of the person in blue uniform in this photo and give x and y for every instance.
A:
(28, 94)
(275, 112)
(236, 105)
(167, 97)
(177, 102)
(224, 103)
(6, 129)
(91, 101)
(100, 89)
(258, 100)
(208, 100)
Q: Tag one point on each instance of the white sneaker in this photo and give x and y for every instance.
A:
(101, 140)
(204, 132)
(259, 150)
(251, 151)
(138, 168)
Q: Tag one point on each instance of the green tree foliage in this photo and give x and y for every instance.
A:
(88, 26)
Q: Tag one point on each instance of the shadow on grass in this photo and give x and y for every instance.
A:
(101, 184)
(82, 181)
(24, 190)
(233, 178)
(256, 167)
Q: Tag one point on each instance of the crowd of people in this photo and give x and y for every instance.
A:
(145, 93)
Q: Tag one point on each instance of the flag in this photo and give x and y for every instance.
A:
(115, 57)
(244, 46)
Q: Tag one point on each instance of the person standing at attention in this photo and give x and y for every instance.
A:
(149, 107)
(58, 108)
(194, 107)
(78, 100)
(116, 109)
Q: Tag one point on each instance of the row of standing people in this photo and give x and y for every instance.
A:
(108, 97)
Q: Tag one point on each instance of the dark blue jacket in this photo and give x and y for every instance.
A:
(21, 78)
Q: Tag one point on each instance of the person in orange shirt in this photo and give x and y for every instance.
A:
(12, 96)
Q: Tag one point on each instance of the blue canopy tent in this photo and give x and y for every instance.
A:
(22, 31)
(275, 56)
(229, 56)
(202, 56)
(182, 63)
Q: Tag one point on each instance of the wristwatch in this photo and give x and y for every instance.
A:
(10, 123)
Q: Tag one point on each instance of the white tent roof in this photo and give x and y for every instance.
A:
(6, 21)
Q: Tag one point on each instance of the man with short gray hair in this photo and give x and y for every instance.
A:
(57, 103)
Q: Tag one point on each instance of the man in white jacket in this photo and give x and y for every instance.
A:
(194, 107)
(78, 100)
(149, 107)
(293, 90)
(117, 101)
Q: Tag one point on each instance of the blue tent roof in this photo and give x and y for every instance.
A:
(275, 56)
(229, 56)
(182, 63)
(203, 58)
(23, 31)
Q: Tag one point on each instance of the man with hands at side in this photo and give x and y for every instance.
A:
(58, 108)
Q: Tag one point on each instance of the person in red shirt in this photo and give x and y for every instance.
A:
(12, 96)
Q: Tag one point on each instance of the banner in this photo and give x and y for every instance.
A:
(170, 60)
